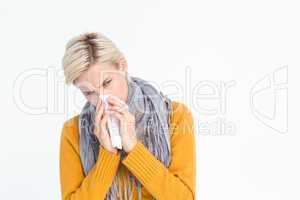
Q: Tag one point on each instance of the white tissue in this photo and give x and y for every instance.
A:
(113, 126)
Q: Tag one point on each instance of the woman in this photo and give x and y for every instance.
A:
(157, 159)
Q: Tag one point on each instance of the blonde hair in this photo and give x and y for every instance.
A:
(86, 49)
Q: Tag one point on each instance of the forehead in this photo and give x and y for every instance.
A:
(94, 76)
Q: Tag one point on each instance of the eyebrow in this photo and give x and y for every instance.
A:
(106, 78)
(85, 89)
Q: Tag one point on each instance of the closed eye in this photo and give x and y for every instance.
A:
(88, 93)
(106, 82)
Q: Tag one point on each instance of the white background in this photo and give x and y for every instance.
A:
(196, 43)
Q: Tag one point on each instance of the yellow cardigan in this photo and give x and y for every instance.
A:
(178, 181)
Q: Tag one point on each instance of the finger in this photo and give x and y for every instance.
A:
(104, 133)
(115, 101)
(125, 114)
(118, 109)
(99, 112)
(98, 105)
(97, 129)
(117, 115)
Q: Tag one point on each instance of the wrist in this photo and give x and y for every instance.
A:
(132, 147)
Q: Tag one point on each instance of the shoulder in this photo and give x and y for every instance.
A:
(181, 118)
(179, 111)
(70, 131)
(182, 133)
(72, 122)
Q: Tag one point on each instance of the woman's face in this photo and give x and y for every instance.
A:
(103, 78)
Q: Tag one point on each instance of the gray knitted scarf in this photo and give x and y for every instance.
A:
(151, 109)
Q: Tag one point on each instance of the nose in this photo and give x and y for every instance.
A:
(102, 98)
(99, 97)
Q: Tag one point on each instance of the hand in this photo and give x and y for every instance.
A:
(100, 128)
(119, 109)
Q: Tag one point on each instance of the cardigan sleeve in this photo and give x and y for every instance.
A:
(76, 186)
(178, 180)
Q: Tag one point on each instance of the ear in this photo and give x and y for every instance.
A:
(122, 64)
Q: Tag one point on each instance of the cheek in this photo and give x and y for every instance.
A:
(119, 90)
